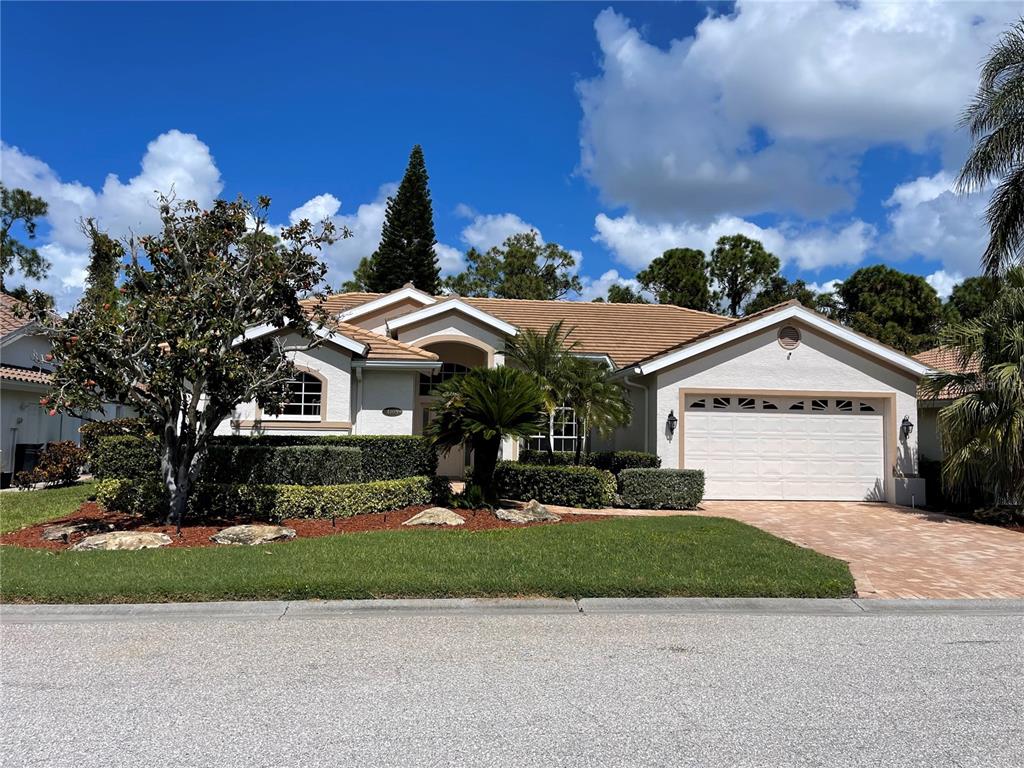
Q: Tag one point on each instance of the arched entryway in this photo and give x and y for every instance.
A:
(457, 357)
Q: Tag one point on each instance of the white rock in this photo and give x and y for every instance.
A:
(251, 535)
(65, 531)
(532, 513)
(124, 540)
(435, 516)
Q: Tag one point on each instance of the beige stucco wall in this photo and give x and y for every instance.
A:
(452, 325)
(22, 353)
(387, 389)
(377, 321)
(818, 365)
(928, 439)
(331, 364)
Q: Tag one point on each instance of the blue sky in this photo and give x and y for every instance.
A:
(829, 131)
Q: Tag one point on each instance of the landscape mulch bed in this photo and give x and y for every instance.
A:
(199, 533)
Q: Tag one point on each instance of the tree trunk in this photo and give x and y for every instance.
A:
(580, 437)
(485, 459)
(551, 437)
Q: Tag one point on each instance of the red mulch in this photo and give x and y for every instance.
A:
(198, 535)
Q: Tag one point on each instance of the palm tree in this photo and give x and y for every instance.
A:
(598, 402)
(995, 119)
(983, 430)
(543, 355)
(481, 407)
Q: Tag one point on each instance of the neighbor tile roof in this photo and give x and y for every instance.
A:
(25, 375)
(625, 332)
(9, 322)
(945, 359)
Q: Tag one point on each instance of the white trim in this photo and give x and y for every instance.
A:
(786, 313)
(334, 337)
(400, 294)
(454, 305)
(28, 329)
(399, 364)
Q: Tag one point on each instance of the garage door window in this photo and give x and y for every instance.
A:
(751, 403)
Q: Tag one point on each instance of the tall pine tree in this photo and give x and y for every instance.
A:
(406, 250)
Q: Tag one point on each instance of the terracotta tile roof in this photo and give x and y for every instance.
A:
(9, 323)
(383, 347)
(26, 375)
(945, 359)
(625, 332)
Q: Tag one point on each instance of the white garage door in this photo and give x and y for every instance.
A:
(795, 448)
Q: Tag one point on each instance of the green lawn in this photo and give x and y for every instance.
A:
(21, 508)
(691, 556)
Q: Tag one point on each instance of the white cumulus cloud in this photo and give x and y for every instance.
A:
(173, 162)
(770, 107)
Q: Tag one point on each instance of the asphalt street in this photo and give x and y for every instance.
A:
(284, 685)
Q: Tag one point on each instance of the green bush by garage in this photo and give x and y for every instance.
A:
(661, 488)
(613, 461)
(570, 486)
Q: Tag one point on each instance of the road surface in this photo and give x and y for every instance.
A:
(288, 686)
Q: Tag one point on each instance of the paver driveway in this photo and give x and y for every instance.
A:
(892, 551)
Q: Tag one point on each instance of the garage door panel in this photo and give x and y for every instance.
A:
(786, 454)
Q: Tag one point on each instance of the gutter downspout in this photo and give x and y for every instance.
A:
(359, 400)
(643, 389)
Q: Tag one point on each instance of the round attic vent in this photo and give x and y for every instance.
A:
(789, 337)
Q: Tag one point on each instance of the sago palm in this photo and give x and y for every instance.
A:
(996, 121)
(598, 402)
(481, 407)
(543, 355)
(983, 429)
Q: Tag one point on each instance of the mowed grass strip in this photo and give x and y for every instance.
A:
(21, 508)
(634, 557)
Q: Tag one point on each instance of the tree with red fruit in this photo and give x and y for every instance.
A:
(169, 340)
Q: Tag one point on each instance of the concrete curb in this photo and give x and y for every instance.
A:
(281, 610)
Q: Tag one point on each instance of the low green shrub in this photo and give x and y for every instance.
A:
(283, 464)
(616, 461)
(60, 463)
(280, 502)
(134, 495)
(661, 488)
(567, 486)
(384, 457)
(613, 461)
(126, 457)
(94, 431)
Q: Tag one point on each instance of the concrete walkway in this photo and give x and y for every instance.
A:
(893, 552)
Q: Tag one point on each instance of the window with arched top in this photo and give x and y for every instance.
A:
(304, 395)
(428, 381)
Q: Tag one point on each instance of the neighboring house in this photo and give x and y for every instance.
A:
(25, 426)
(782, 404)
(941, 359)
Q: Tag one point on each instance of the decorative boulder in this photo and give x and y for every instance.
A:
(251, 535)
(534, 512)
(64, 531)
(124, 540)
(435, 516)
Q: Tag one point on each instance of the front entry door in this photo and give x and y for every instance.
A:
(452, 464)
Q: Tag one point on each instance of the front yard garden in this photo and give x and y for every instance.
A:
(686, 556)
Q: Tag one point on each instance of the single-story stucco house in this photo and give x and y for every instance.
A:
(944, 359)
(782, 404)
(25, 426)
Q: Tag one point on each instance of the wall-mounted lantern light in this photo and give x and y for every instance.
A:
(906, 427)
(670, 423)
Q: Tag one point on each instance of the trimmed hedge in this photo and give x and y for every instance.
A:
(126, 457)
(567, 486)
(384, 457)
(283, 464)
(617, 461)
(135, 495)
(613, 461)
(94, 431)
(661, 488)
(280, 502)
